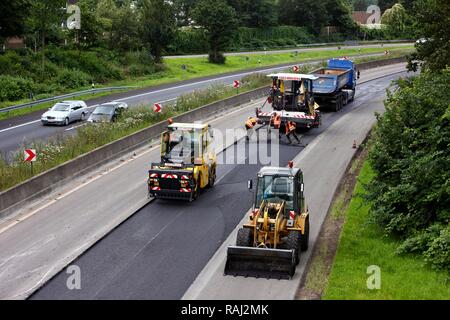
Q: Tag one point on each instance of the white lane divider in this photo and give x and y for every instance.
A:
(177, 87)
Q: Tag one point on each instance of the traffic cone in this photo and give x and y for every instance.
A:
(354, 144)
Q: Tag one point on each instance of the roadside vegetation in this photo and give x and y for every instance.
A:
(399, 216)
(91, 136)
(411, 161)
(124, 41)
(21, 76)
(363, 244)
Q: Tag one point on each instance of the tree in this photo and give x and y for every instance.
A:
(256, 13)
(410, 194)
(158, 26)
(431, 18)
(311, 14)
(12, 17)
(183, 11)
(386, 4)
(361, 5)
(45, 18)
(219, 21)
(339, 13)
(395, 18)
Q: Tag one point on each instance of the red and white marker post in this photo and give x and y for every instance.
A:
(236, 84)
(295, 68)
(157, 107)
(29, 155)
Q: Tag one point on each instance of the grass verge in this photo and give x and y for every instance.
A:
(200, 67)
(343, 274)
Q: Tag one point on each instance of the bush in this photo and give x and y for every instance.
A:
(411, 161)
(438, 254)
(73, 78)
(14, 88)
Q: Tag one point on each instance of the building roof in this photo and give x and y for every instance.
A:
(292, 76)
(360, 16)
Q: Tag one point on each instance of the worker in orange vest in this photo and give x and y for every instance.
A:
(249, 125)
(276, 120)
(290, 130)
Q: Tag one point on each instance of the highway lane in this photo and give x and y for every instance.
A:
(46, 235)
(299, 50)
(159, 251)
(17, 133)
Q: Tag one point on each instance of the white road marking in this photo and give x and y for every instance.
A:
(20, 125)
(21, 218)
(183, 86)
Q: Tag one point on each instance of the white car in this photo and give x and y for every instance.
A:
(65, 112)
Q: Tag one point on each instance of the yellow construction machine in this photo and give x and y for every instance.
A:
(269, 245)
(188, 162)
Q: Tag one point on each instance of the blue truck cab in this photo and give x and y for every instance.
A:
(335, 84)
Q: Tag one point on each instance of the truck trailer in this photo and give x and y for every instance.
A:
(335, 84)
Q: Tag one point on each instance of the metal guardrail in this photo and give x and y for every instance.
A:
(64, 96)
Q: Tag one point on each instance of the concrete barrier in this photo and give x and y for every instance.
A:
(47, 181)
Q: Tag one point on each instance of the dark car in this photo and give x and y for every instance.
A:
(107, 112)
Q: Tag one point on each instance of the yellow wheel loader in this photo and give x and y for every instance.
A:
(269, 245)
(188, 162)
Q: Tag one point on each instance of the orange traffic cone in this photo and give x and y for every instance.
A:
(354, 144)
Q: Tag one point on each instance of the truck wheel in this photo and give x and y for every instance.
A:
(212, 178)
(336, 104)
(305, 236)
(244, 237)
(353, 95)
(293, 242)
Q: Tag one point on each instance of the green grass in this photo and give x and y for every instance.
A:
(200, 67)
(361, 245)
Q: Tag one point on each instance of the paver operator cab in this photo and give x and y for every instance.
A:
(292, 99)
(188, 162)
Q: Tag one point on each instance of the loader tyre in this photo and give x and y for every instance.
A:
(244, 238)
(305, 236)
(293, 242)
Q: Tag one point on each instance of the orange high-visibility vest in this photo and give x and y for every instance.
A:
(250, 123)
(277, 121)
(290, 126)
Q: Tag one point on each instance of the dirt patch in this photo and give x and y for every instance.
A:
(315, 277)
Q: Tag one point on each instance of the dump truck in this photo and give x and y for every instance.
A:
(188, 162)
(292, 99)
(335, 84)
(269, 245)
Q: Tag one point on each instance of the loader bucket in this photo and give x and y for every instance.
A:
(260, 262)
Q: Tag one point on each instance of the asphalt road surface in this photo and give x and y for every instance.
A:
(375, 45)
(18, 133)
(159, 252)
